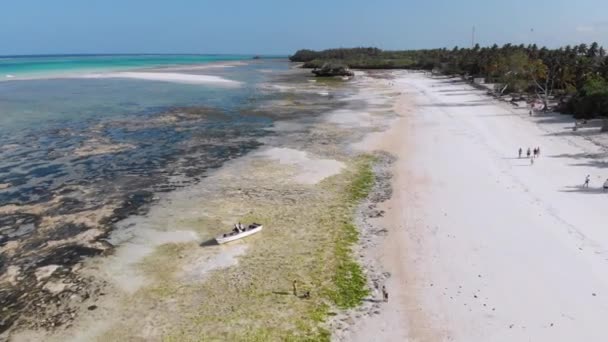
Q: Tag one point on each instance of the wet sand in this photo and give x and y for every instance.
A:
(68, 190)
(169, 77)
(165, 277)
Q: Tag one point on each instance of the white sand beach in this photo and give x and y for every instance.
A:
(167, 77)
(482, 245)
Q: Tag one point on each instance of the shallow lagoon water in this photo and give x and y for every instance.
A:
(80, 155)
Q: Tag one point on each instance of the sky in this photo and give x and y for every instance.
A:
(282, 27)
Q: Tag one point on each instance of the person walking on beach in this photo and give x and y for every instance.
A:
(384, 294)
(528, 152)
(586, 185)
(520, 152)
(538, 151)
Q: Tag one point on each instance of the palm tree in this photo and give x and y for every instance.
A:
(593, 50)
(582, 49)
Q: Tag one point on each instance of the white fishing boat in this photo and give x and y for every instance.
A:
(237, 233)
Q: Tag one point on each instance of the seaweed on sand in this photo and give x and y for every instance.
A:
(308, 240)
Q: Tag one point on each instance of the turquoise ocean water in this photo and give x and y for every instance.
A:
(169, 129)
(41, 66)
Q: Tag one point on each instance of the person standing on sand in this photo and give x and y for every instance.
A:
(586, 184)
(520, 152)
(538, 150)
(384, 294)
(528, 152)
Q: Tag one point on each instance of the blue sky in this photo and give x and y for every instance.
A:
(281, 26)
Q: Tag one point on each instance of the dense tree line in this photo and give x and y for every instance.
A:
(578, 75)
(358, 58)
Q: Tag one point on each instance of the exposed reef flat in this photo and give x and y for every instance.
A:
(156, 272)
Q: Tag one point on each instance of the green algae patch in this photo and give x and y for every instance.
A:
(350, 283)
(363, 180)
(309, 241)
(308, 236)
(349, 280)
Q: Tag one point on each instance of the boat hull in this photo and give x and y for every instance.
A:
(232, 237)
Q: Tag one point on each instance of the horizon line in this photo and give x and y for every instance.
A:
(139, 54)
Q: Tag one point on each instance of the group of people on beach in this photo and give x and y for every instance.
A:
(530, 153)
(535, 153)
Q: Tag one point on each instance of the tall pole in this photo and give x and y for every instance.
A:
(473, 37)
(532, 36)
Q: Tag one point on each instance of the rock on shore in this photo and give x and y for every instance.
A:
(333, 69)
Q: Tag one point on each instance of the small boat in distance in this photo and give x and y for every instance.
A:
(239, 232)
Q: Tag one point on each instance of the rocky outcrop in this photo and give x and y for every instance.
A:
(332, 69)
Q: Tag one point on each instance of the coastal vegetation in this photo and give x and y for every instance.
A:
(573, 77)
(358, 58)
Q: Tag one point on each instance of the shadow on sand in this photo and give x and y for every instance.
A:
(460, 93)
(582, 155)
(600, 164)
(471, 91)
(372, 300)
(208, 243)
(583, 190)
(580, 133)
(495, 115)
(456, 104)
